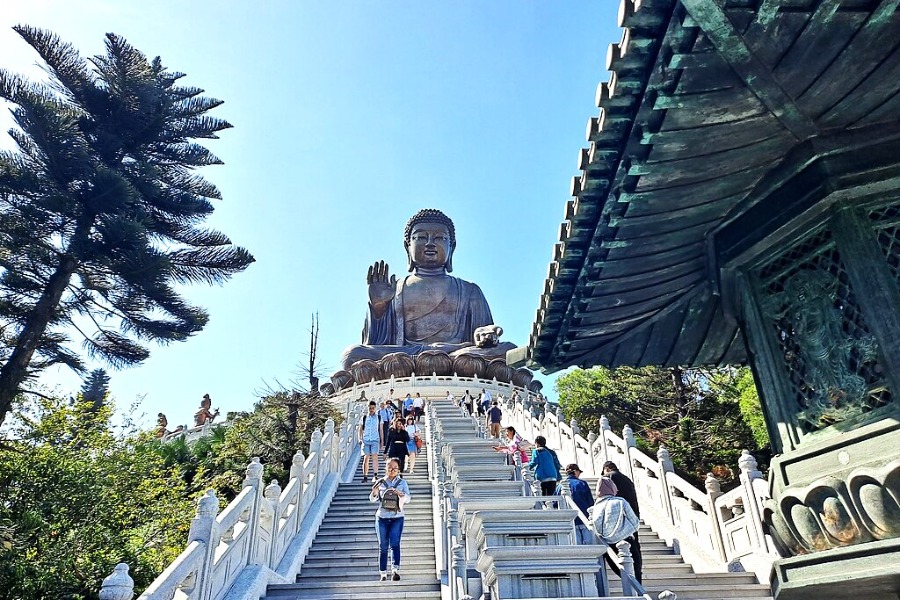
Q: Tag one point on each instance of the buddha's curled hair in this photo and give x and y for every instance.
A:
(430, 215)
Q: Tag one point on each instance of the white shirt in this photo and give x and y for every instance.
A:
(418, 402)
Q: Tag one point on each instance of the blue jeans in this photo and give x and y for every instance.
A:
(389, 532)
(583, 535)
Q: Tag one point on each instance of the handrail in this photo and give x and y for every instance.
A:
(729, 532)
(257, 529)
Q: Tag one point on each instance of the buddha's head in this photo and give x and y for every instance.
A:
(430, 240)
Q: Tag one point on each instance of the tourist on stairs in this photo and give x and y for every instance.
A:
(412, 446)
(371, 439)
(545, 466)
(397, 441)
(392, 493)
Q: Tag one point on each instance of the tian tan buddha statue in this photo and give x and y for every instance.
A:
(429, 309)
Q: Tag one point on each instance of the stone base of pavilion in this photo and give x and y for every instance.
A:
(870, 571)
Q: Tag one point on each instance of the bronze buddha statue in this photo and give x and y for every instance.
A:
(429, 309)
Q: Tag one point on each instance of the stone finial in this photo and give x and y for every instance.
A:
(565, 486)
(665, 459)
(254, 469)
(574, 425)
(118, 585)
(315, 441)
(592, 437)
(748, 465)
(208, 504)
(459, 555)
(667, 595)
(273, 491)
(628, 436)
(329, 426)
(604, 423)
(297, 463)
(712, 484)
(559, 415)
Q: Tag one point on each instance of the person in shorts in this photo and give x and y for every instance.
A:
(370, 436)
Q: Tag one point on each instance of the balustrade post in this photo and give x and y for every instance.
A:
(298, 474)
(627, 567)
(269, 518)
(665, 467)
(315, 449)
(750, 473)
(576, 431)
(628, 437)
(460, 585)
(604, 446)
(452, 543)
(713, 491)
(591, 465)
(118, 585)
(203, 529)
(254, 480)
(334, 451)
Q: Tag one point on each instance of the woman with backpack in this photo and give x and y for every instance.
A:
(545, 466)
(392, 494)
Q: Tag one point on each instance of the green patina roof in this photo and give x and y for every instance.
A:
(705, 98)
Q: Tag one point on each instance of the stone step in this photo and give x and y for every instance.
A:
(378, 591)
(704, 591)
(367, 546)
(364, 573)
(356, 589)
(366, 559)
(371, 534)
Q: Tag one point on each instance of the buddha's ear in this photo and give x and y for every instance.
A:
(450, 260)
(410, 265)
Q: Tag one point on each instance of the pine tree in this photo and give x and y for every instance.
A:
(101, 211)
(95, 388)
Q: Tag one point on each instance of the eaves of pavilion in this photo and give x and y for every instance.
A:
(710, 106)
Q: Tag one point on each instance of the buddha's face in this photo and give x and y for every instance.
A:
(429, 245)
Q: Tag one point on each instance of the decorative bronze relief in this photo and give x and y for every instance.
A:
(811, 315)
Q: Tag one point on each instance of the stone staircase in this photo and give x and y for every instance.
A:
(663, 569)
(343, 561)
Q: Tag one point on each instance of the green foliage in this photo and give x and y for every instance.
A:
(77, 499)
(219, 460)
(100, 210)
(697, 415)
(751, 409)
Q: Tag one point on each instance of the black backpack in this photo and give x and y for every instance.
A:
(390, 500)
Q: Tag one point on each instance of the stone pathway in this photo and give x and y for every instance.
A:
(343, 561)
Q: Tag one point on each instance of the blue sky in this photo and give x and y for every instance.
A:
(348, 118)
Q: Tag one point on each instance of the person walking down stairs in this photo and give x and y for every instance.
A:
(343, 561)
(392, 493)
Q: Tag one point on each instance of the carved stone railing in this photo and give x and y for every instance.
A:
(715, 532)
(191, 434)
(262, 536)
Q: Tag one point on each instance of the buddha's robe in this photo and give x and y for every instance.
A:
(388, 333)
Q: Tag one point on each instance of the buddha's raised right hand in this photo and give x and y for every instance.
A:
(381, 287)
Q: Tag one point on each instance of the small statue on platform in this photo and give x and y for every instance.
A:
(205, 415)
(428, 309)
(162, 424)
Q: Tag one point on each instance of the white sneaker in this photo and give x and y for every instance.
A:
(383, 576)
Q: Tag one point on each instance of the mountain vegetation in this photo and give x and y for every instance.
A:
(703, 417)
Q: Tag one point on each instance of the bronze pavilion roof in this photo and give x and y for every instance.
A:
(705, 98)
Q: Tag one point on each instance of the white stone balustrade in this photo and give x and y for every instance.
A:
(715, 532)
(262, 536)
